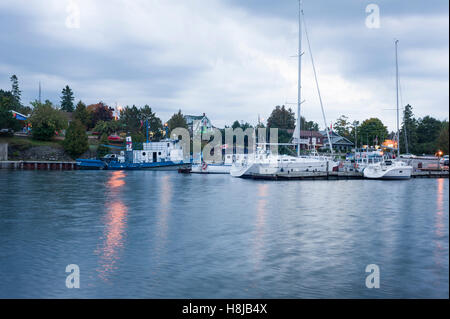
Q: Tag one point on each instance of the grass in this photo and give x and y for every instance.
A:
(27, 142)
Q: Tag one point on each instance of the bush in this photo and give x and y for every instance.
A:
(107, 128)
(76, 141)
(46, 121)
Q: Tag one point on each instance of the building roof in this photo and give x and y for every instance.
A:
(191, 118)
(336, 139)
(310, 134)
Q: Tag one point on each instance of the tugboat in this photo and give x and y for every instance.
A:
(166, 154)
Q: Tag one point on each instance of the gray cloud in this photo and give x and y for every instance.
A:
(229, 58)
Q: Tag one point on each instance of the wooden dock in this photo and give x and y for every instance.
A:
(38, 165)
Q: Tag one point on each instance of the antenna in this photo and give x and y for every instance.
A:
(39, 92)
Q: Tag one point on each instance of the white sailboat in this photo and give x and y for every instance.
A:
(264, 164)
(391, 169)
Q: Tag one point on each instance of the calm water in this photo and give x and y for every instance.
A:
(162, 234)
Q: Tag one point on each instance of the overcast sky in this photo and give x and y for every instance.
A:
(231, 59)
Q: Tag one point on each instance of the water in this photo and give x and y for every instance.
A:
(143, 234)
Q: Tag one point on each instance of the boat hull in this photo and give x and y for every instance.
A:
(90, 164)
(210, 169)
(286, 170)
(395, 173)
(157, 166)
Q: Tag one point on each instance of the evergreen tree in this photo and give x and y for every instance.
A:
(15, 88)
(67, 99)
(281, 118)
(82, 114)
(408, 131)
(177, 120)
(443, 143)
(428, 130)
(76, 141)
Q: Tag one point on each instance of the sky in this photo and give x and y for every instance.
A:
(231, 59)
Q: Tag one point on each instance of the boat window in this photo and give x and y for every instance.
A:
(159, 153)
(143, 153)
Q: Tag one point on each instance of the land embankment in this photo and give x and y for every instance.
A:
(27, 149)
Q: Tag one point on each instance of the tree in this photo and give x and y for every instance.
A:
(442, 142)
(102, 150)
(308, 125)
(99, 112)
(428, 130)
(134, 119)
(15, 88)
(342, 126)
(76, 141)
(46, 120)
(82, 114)
(408, 131)
(177, 120)
(106, 127)
(281, 118)
(154, 122)
(372, 131)
(6, 117)
(67, 99)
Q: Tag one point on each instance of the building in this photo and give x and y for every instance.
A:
(338, 142)
(198, 123)
(308, 139)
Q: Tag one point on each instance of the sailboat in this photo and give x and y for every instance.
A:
(391, 169)
(265, 164)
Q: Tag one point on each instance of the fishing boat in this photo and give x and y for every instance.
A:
(166, 154)
(391, 168)
(263, 164)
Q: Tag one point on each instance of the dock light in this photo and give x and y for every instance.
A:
(439, 153)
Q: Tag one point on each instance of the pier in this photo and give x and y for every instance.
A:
(346, 175)
(38, 165)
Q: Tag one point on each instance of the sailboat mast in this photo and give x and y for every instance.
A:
(299, 88)
(396, 86)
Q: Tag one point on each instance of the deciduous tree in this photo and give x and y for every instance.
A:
(46, 120)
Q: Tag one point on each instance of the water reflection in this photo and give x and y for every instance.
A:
(440, 252)
(115, 225)
(260, 224)
(163, 215)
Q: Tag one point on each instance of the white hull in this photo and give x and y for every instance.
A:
(397, 170)
(283, 166)
(211, 169)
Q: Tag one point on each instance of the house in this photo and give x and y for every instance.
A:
(308, 139)
(338, 142)
(198, 123)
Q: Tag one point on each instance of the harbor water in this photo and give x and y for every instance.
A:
(146, 234)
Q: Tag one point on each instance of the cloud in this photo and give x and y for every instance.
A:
(228, 59)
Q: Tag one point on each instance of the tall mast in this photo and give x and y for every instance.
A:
(299, 88)
(396, 86)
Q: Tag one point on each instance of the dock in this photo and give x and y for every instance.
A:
(38, 165)
(345, 175)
